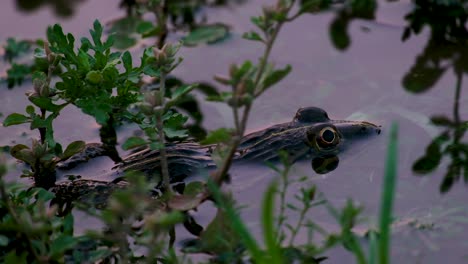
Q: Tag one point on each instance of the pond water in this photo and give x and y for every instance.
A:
(364, 82)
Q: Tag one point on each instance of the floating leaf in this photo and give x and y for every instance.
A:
(206, 34)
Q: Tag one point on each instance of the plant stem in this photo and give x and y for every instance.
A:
(282, 194)
(299, 224)
(220, 174)
(160, 127)
(42, 130)
(161, 17)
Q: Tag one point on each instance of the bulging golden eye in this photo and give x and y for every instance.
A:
(323, 137)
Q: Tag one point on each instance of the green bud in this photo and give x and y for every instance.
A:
(38, 149)
(160, 56)
(41, 87)
(94, 77)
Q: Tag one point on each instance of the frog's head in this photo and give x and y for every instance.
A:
(326, 135)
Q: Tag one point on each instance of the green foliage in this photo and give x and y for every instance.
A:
(42, 159)
(221, 135)
(206, 34)
(103, 84)
(388, 196)
(133, 213)
(17, 73)
(92, 80)
(171, 16)
(31, 232)
(14, 49)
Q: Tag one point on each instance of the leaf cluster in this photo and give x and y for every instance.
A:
(30, 230)
(91, 79)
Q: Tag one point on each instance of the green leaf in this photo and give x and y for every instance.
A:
(388, 196)
(268, 225)
(183, 90)
(124, 42)
(96, 33)
(46, 103)
(15, 48)
(72, 149)
(221, 135)
(236, 222)
(16, 119)
(206, 34)
(83, 60)
(276, 76)
(17, 73)
(172, 132)
(62, 244)
(13, 258)
(39, 53)
(44, 195)
(23, 153)
(133, 142)
(173, 126)
(144, 27)
(252, 35)
(127, 61)
(314, 6)
(68, 223)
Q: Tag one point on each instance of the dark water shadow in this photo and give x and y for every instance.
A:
(445, 51)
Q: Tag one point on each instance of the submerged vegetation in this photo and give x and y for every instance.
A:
(142, 215)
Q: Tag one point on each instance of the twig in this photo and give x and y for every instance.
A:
(160, 127)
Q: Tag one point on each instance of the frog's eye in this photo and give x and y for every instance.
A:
(323, 137)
